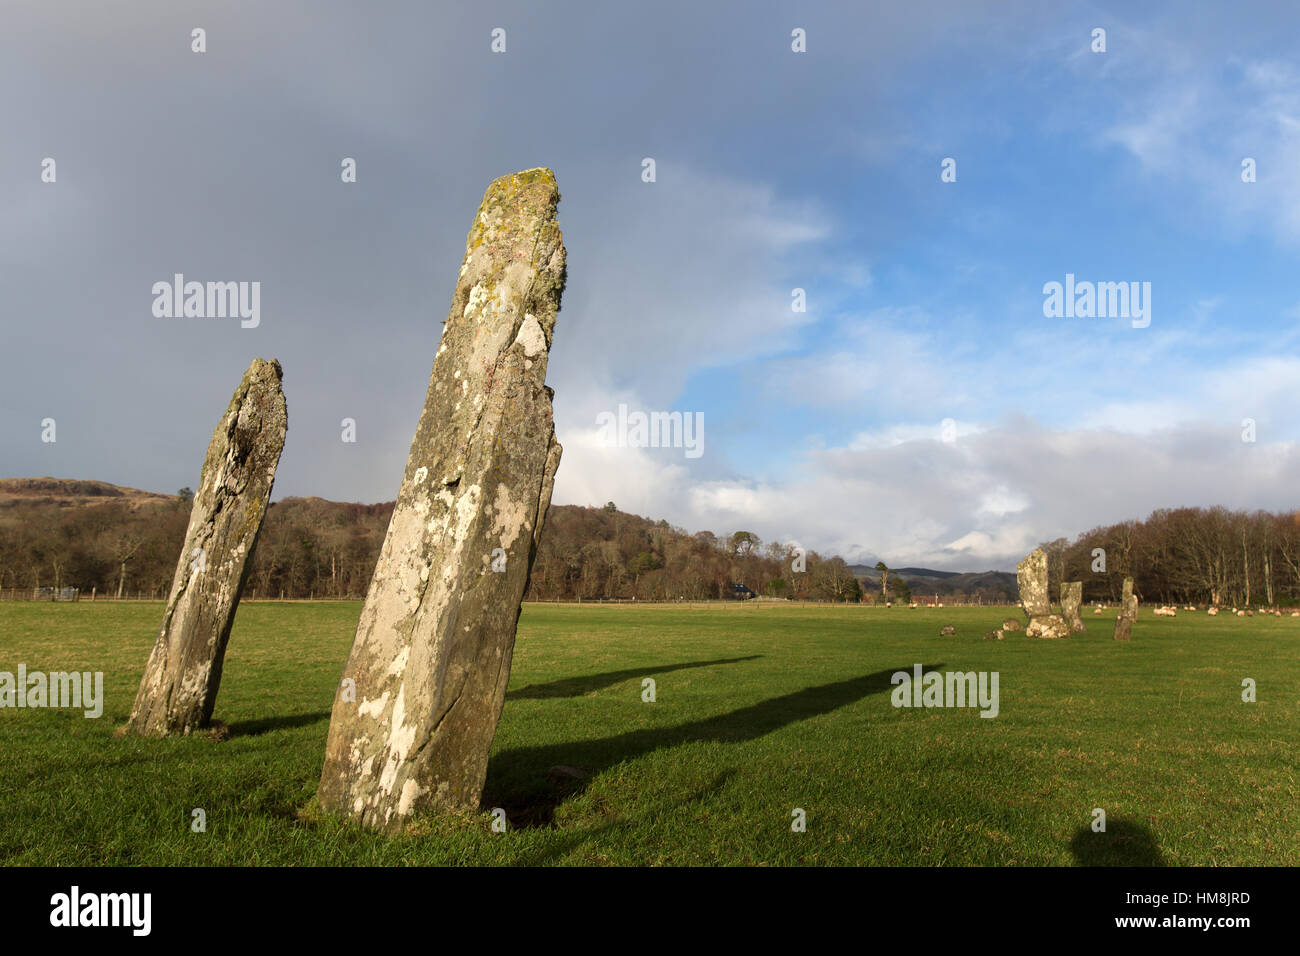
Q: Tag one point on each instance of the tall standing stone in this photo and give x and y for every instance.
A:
(1031, 577)
(1071, 601)
(425, 683)
(180, 683)
(1128, 612)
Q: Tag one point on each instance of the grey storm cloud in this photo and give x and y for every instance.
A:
(225, 166)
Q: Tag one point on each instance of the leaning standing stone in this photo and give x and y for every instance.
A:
(1071, 601)
(425, 683)
(180, 684)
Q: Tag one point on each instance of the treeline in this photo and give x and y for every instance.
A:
(121, 548)
(1186, 555)
(310, 547)
(603, 552)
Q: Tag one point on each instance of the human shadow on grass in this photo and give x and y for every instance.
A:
(586, 683)
(1124, 843)
(518, 780)
(263, 725)
(568, 843)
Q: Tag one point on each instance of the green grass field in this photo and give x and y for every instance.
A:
(759, 710)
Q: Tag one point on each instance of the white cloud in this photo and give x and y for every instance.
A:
(982, 502)
(636, 479)
(900, 434)
(693, 281)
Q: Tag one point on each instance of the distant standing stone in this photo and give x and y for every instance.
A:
(1071, 601)
(1128, 612)
(433, 648)
(179, 689)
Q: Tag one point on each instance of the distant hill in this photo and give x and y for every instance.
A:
(988, 584)
(70, 492)
(926, 573)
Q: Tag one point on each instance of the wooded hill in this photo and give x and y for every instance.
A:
(989, 587)
(90, 534)
(120, 541)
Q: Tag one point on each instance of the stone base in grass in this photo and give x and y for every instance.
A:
(1048, 626)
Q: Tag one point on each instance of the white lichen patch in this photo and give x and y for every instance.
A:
(466, 508)
(531, 336)
(477, 296)
(397, 593)
(399, 663)
(410, 793)
(373, 708)
(438, 523)
(510, 517)
(421, 474)
(400, 739)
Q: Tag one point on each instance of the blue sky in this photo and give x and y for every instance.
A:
(775, 170)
